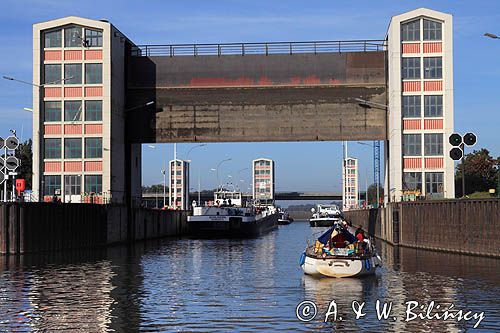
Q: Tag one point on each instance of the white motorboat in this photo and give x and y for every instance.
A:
(226, 217)
(284, 217)
(354, 259)
(325, 215)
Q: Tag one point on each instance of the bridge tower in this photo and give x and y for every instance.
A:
(420, 98)
(79, 105)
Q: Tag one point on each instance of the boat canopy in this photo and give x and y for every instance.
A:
(325, 237)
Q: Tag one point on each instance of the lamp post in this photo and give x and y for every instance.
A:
(190, 149)
(239, 173)
(374, 174)
(217, 170)
(188, 160)
(164, 173)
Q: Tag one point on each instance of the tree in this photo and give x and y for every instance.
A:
(480, 173)
(372, 193)
(157, 188)
(25, 155)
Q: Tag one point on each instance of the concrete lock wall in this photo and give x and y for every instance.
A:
(40, 227)
(276, 97)
(460, 226)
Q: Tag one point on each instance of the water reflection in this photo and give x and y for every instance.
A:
(233, 285)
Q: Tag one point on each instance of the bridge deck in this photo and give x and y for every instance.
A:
(270, 96)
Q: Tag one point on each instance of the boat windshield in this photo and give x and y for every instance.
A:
(228, 197)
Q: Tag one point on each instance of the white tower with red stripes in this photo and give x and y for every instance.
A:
(420, 98)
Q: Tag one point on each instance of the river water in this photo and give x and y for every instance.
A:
(254, 285)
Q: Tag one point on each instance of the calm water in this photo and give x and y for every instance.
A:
(184, 285)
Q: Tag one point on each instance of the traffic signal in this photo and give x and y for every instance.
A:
(455, 139)
(470, 139)
(456, 154)
(11, 163)
(12, 143)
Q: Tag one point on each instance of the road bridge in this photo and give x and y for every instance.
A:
(151, 198)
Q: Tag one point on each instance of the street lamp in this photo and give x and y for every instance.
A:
(239, 173)
(164, 173)
(197, 146)
(199, 178)
(217, 170)
(374, 172)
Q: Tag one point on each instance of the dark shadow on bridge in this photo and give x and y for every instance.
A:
(306, 96)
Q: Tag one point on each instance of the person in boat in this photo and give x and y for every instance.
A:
(360, 233)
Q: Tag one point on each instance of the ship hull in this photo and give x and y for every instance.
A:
(323, 221)
(340, 267)
(232, 227)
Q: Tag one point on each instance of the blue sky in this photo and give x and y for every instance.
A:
(477, 70)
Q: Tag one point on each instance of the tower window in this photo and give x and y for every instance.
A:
(52, 74)
(52, 111)
(73, 148)
(52, 148)
(412, 145)
(93, 73)
(93, 38)
(410, 31)
(411, 106)
(432, 30)
(433, 144)
(412, 181)
(72, 110)
(434, 186)
(52, 39)
(93, 110)
(93, 184)
(433, 68)
(73, 74)
(433, 106)
(411, 68)
(93, 147)
(73, 37)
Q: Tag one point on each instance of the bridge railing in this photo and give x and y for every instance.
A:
(258, 48)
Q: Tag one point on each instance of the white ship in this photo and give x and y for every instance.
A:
(227, 217)
(325, 215)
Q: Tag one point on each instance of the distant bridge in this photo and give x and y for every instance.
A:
(151, 198)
